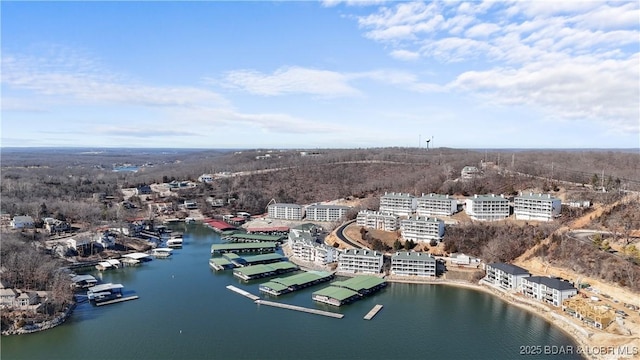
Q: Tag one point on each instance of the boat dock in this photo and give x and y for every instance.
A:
(132, 297)
(280, 286)
(343, 292)
(300, 308)
(243, 293)
(263, 270)
(373, 312)
(242, 237)
(260, 247)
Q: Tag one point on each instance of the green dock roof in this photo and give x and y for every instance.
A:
(243, 246)
(335, 292)
(220, 261)
(302, 278)
(274, 286)
(359, 283)
(257, 237)
(262, 268)
(231, 256)
(261, 257)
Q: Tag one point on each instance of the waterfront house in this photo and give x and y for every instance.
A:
(285, 211)
(378, 220)
(436, 204)
(8, 297)
(22, 222)
(505, 276)
(460, 259)
(413, 264)
(487, 207)
(360, 261)
(469, 172)
(318, 212)
(422, 229)
(540, 207)
(143, 190)
(398, 203)
(552, 291)
(598, 316)
(54, 226)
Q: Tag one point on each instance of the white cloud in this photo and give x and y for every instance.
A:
(405, 55)
(291, 80)
(482, 30)
(332, 3)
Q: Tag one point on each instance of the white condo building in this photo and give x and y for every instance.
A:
(505, 276)
(413, 264)
(552, 291)
(285, 211)
(360, 261)
(436, 204)
(319, 212)
(398, 203)
(378, 220)
(305, 248)
(422, 229)
(487, 207)
(540, 207)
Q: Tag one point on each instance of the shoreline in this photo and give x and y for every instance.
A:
(581, 335)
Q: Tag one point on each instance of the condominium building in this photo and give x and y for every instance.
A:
(319, 212)
(469, 172)
(413, 264)
(505, 276)
(487, 207)
(398, 203)
(309, 250)
(540, 207)
(285, 211)
(436, 204)
(360, 261)
(552, 291)
(378, 220)
(422, 229)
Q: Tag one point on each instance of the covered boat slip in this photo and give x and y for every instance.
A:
(342, 292)
(84, 281)
(262, 270)
(255, 247)
(242, 237)
(220, 263)
(231, 260)
(295, 282)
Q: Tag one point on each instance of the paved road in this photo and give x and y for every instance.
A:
(340, 234)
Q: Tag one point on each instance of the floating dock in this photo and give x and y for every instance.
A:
(343, 292)
(300, 308)
(242, 237)
(291, 283)
(264, 247)
(260, 271)
(133, 297)
(243, 293)
(373, 312)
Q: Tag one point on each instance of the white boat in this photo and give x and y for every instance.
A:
(161, 252)
(175, 241)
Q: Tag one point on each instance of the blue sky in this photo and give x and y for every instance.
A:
(332, 74)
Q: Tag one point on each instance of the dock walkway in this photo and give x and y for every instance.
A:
(243, 293)
(133, 297)
(373, 312)
(300, 308)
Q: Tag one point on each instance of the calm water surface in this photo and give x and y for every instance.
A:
(185, 312)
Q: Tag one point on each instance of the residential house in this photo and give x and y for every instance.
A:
(360, 261)
(22, 222)
(552, 291)
(460, 259)
(190, 204)
(54, 226)
(422, 229)
(206, 178)
(143, 190)
(469, 172)
(413, 264)
(8, 297)
(505, 276)
(378, 220)
(540, 207)
(487, 207)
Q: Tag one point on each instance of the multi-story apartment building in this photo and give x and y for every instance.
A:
(436, 204)
(285, 211)
(398, 203)
(540, 207)
(309, 250)
(487, 207)
(505, 276)
(552, 291)
(413, 264)
(422, 229)
(469, 172)
(319, 212)
(378, 220)
(360, 261)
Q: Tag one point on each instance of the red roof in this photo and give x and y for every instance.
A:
(218, 224)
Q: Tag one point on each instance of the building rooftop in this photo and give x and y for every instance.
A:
(509, 268)
(302, 278)
(436, 196)
(363, 253)
(358, 283)
(551, 282)
(489, 197)
(335, 292)
(286, 205)
(413, 256)
(323, 206)
(397, 195)
(536, 196)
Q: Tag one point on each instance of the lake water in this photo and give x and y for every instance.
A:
(185, 312)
